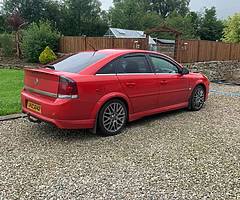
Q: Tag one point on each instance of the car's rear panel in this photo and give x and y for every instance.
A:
(40, 81)
(40, 100)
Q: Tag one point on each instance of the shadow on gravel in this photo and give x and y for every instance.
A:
(45, 130)
(149, 119)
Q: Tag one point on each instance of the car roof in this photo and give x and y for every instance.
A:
(119, 52)
(114, 53)
(123, 51)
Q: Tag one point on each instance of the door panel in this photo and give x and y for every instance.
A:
(142, 90)
(138, 81)
(174, 89)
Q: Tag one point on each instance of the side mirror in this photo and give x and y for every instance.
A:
(185, 71)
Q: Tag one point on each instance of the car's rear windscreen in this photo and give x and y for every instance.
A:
(76, 63)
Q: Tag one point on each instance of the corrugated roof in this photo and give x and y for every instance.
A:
(164, 41)
(124, 33)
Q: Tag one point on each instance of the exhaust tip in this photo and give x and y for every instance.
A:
(33, 119)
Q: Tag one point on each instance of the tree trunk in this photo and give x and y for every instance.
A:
(18, 49)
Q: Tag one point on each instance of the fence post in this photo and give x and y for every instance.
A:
(85, 43)
(113, 42)
(198, 54)
(177, 49)
(230, 52)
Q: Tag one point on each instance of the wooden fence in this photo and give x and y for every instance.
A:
(75, 44)
(201, 50)
(188, 51)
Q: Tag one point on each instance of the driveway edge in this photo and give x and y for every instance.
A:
(12, 117)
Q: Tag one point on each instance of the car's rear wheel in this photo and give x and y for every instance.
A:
(112, 118)
(197, 99)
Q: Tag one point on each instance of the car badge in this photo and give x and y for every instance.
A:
(36, 82)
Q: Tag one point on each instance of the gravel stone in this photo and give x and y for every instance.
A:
(176, 155)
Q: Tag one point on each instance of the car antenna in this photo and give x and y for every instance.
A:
(95, 50)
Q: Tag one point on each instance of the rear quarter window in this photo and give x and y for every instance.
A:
(76, 63)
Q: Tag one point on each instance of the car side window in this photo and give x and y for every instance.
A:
(133, 64)
(163, 66)
(108, 69)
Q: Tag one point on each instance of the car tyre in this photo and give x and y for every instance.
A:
(197, 99)
(112, 118)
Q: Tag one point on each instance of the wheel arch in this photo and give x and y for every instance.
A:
(201, 83)
(109, 97)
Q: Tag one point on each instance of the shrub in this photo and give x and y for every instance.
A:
(47, 56)
(36, 37)
(7, 44)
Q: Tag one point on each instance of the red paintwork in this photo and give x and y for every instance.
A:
(149, 94)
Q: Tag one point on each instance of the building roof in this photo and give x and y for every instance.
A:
(164, 41)
(124, 33)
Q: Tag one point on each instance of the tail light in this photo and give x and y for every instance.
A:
(67, 88)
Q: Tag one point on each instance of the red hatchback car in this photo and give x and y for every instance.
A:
(104, 90)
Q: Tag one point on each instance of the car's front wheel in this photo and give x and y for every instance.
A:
(112, 118)
(197, 99)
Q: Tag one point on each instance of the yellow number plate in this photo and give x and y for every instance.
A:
(34, 107)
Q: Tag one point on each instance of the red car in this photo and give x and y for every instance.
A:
(105, 89)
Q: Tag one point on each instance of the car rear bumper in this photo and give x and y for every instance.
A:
(61, 113)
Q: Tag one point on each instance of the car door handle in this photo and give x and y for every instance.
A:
(164, 82)
(130, 84)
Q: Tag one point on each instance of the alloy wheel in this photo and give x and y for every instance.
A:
(114, 117)
(199, 98)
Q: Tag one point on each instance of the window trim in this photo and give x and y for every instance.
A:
(129, 55)
(125, 56)
(166, 59)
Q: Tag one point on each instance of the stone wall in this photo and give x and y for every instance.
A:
(228, 71)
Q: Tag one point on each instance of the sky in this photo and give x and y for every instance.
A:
(225, 8)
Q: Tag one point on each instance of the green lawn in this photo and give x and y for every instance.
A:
(11, 84)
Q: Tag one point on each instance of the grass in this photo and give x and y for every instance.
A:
(11, 84)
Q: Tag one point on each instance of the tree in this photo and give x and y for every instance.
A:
(165, 7)
(210, 27)
(182, 24)
(2, 20)
(37, 37)
(126, 14)
(30, 10)
(83, 17)
(16, 22)
(2, 23)
(131, 14)
(232, 29)
(196, 20)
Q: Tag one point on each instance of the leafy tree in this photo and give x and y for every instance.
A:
(232, 29)
(2, 23)
(36, 38)
(71, 17)
(30, 10)
(210, 27)
(16, 22)
(7, 44)
(131, 14)
(83, 17)
(126, 14)
(166, 7)
(183, 24)
(151, 20)
(196, 20)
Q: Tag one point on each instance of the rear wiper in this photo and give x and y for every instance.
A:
(49, 67)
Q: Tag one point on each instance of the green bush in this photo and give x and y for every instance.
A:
(7, 44)
(47, 56)
(36, 37)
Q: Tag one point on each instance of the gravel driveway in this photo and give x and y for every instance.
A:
(179, 155)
